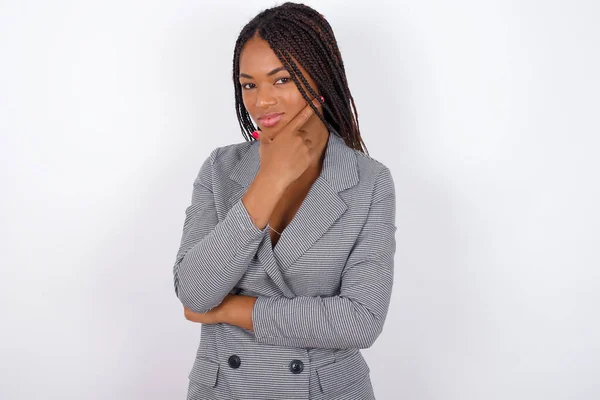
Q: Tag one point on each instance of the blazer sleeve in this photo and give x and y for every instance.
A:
(213, 255)
(355, 317)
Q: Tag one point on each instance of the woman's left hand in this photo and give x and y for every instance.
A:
(211, 317)
(234, 310)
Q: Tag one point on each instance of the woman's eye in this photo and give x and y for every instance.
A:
(248, 86)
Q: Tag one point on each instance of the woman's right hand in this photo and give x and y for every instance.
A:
(286, 155)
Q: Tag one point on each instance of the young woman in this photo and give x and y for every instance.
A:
(287, 251)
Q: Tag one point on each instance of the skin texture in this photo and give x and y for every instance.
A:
(263, 93)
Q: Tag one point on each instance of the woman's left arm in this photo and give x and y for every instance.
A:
(355, 317)
(352, 319)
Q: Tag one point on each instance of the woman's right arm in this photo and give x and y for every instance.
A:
(213, 256)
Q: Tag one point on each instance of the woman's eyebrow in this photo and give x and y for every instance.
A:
(273, 72)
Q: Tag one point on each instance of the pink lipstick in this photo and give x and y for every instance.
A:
(270, 120)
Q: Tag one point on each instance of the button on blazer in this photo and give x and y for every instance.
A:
(323, 291)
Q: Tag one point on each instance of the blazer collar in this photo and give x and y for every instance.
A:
(339, 165)
(318, 211)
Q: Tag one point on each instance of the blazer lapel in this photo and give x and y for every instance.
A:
(322, 205)
(318, 211)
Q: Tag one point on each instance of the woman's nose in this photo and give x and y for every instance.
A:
(265, 98)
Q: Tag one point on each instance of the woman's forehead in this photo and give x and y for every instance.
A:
(257, 55)
(257, 58)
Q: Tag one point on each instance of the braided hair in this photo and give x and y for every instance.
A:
(298, 31)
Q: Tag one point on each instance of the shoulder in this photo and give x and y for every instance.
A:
(367, 163)
(220, 161)
(231, 152)
(376, 173)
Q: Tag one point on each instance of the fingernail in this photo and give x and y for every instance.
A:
(255, 135)
(322, 99)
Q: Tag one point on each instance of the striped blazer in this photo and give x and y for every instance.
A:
(323, 291)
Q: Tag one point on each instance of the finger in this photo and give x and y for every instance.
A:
(264, 137)
(299, 119)
(303, 116)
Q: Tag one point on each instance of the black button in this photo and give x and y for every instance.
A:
(296, 366)
(234, 361)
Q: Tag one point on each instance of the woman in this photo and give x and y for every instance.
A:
(288, 245)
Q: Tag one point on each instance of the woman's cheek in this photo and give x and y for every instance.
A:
(247, 102)
(293, 102)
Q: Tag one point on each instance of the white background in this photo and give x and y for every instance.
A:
(485, 111)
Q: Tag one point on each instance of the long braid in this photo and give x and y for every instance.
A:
(298, 32)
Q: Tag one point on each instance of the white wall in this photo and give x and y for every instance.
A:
(485, 111)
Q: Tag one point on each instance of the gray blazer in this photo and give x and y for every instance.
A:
(323, 291)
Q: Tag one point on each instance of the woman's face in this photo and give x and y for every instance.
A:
(267, 88)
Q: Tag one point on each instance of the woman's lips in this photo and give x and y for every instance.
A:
(270, 120)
